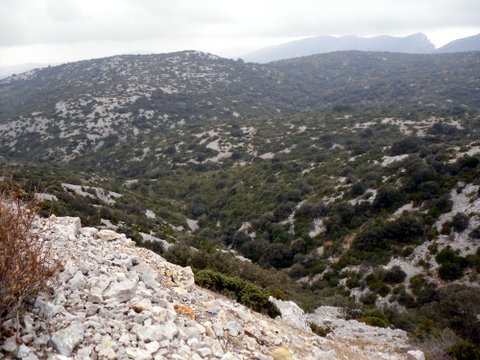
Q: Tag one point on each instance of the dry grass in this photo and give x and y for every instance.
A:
(435, 347)
(26, 260)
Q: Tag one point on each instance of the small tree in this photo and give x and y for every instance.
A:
(26, 259)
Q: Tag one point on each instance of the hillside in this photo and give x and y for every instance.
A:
(347, 179)
(412, 44)
(64, 111)
(115, 301)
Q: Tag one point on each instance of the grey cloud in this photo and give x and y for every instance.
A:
(24, 22)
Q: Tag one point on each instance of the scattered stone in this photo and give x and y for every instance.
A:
(115, 301)
(65, 340)
(22, 351)
(218, 329)
(149, 333)
(213, 310)
(138, 354)
(170, 330)
(78, 281)
(10, 344)
(416, 354)
(122, 291)
(152, 347)
(105, 350)
(204, 352)
(233, 328)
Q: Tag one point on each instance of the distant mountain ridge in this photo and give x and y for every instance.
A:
(471, 43)
(413, 44)
(6, 71)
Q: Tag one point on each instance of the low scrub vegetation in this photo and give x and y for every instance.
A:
(243, 291)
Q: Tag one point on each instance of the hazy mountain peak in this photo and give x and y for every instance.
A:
(414, 44)
(471, 43)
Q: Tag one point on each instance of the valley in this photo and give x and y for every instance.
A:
(346, 179)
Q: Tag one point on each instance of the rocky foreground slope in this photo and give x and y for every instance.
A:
(117, 301)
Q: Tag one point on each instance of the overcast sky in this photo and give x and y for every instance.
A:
(54, 31)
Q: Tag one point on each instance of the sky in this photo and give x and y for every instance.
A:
(57, 31)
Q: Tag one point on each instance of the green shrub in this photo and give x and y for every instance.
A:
(407, 251)
(451, 264)
(450, 271)
(376, 284)
(394, 275)
(406, 146)
(384, 235)
(475, 233)
(460, 222)
(373, 321)
(469, 162)
(243, 291)
(320, 330)
(353, 280)
(464, 350)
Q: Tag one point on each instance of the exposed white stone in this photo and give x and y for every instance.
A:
(416, 354)
(122, 291)
(291, 313)
(108, 235)
(138, 354)
(64, 341)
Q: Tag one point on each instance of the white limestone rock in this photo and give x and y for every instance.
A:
(138, 354)
(291, 313)
(105, 350)
(122, 291)
(108, 235)
(64, 341)
(67, 227)
(78, 281)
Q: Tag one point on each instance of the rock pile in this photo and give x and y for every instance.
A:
(116, 301)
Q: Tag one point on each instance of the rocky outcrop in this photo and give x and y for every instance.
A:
(116, 301)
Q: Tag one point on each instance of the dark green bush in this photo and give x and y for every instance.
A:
(394, 275)
(406, 146)
(475, 233)
(320, 330)
(388, 196)
(469, 162)
(450, 271)
(376, 284)
(384, 235)
(373, 321)
(451, 264)
(460, 222)
(245, 292)
(353, 281)
(464, 351)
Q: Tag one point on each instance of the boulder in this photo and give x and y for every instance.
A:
(64, 341)
(122, 291)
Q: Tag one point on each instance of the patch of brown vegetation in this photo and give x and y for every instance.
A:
(26, 259)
